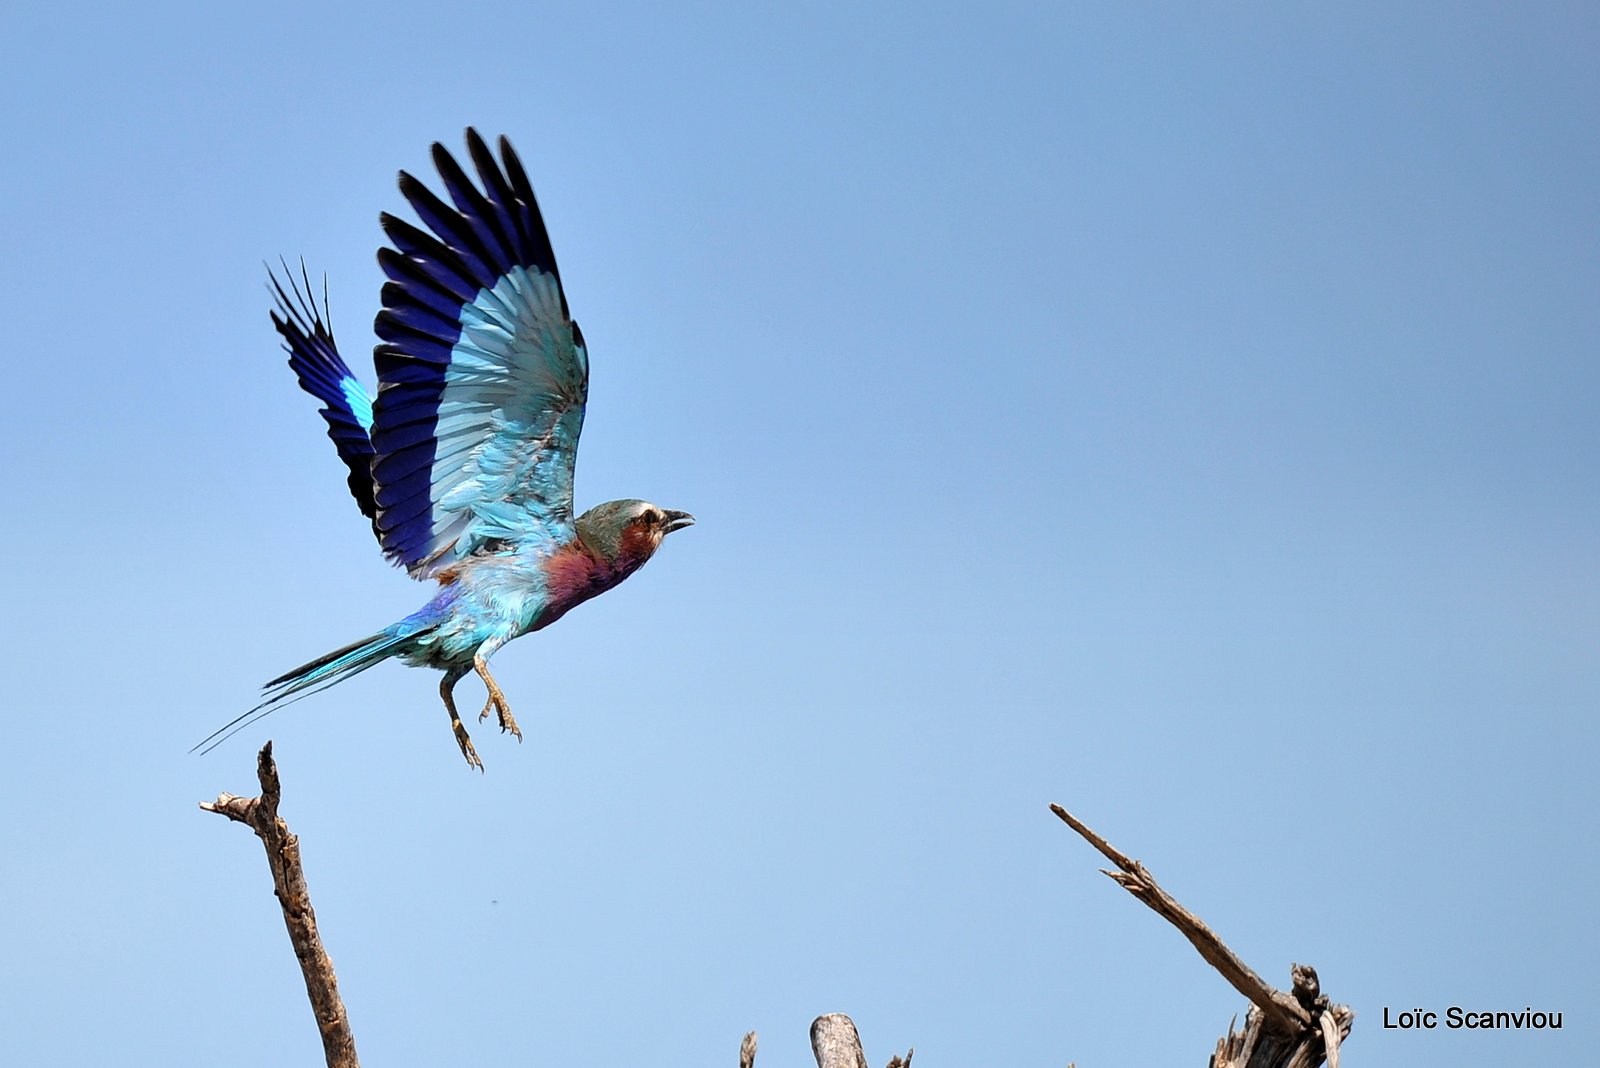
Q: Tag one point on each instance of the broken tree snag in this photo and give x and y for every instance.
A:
(1282, 1030)
(836, 1044)
(1258, 1046)
(260, 814)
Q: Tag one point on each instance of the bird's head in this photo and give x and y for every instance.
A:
(626, 533)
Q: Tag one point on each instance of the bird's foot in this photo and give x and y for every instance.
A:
(446, 687)
(497, 700)
(465, 743)
(502, 709)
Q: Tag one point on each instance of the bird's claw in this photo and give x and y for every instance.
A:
(467, 749)
(502, 710)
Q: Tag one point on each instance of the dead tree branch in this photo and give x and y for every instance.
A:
(260, 814)
(1296, 1030)
(835, 1042)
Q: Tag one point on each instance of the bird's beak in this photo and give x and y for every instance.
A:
(676, 521)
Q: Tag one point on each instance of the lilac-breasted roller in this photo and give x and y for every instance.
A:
(463, 461)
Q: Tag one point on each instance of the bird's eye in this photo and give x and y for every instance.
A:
(653, 518)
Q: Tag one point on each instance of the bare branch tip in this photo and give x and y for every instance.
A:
(267, 768)
(747, 1050)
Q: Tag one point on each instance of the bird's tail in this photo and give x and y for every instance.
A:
(319, 674)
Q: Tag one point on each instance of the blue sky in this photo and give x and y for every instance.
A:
(1184, 414)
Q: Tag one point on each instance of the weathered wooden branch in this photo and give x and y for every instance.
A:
(260, 814)
(1259, 1045)
(1295, 1030)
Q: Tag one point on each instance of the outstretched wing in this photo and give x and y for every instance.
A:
(308, 338)
(482, 372)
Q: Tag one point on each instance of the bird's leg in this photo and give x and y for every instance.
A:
(451, 677)
(497, 700)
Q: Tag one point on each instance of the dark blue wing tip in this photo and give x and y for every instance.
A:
(486, 229)
(299, 305)
(306, 331)
(308, 337)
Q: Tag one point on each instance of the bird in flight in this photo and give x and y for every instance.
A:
(463, 459)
